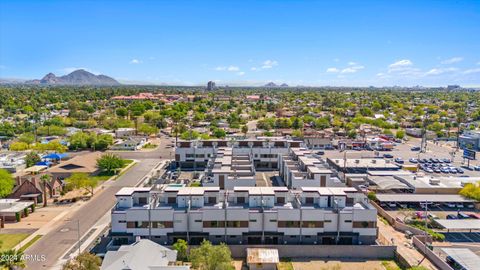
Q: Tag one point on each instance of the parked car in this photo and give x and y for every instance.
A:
(399, 160)
(476, 168)
(321, 153)
(415, 148)
(413, 160)
(387, 156)
(461, 215)
(459, 205)
(451, 216)
(450, 205)
(392, 204)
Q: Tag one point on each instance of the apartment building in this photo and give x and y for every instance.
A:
(264, 151)
(227, 171)
(301, 168)
(244, 215)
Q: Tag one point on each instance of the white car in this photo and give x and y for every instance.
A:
(451, 205)
(392, 204)
(459, 205)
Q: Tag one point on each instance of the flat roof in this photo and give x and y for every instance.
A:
(128, 191)
(463, 256)
(374, 163)
(459, 224)
(262, 255)
(389, 173)
(436, 198)
(387, 182)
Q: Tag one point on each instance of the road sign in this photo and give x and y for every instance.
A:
(469, 154)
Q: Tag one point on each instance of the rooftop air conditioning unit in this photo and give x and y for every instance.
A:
(374, 161)
(357, 161)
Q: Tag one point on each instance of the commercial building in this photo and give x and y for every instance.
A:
(470, 139)
(301, 168)
(210, 85)
(362, 165)
(244, 215)
(263, 151)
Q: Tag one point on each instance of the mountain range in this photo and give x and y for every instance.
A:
(77, 77)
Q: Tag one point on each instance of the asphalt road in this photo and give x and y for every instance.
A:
(54, 244)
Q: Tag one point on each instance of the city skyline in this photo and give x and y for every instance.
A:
(247, 43)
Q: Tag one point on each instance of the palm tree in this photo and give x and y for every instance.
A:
(45, 178)
(15, 259)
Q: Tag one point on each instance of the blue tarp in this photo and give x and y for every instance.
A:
(55, 156)
(44, 163)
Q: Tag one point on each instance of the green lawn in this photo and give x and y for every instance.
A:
(285, 266)
(31, 242)
(11, 240)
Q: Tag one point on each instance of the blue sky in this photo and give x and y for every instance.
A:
(344, 43)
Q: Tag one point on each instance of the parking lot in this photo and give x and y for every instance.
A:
(441, 151)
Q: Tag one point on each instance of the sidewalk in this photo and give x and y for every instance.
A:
(51, 225)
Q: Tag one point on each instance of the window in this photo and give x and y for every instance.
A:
(131, 224)
(273, 220)
(122, 221)
(348, 221)
(364, 224)
(213, 224)
(198, 220)
(288, 224)
(241, 200)
(280, 199)
(309, 200)
(327, 221)
(162, 224)
(237, 224)
(253, 220)
(312, 224)
(141, 224)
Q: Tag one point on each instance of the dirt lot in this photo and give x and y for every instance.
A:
(339, 265)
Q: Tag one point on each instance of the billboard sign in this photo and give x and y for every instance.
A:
(469, 154)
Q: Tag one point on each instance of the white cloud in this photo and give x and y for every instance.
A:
(352, 69)
(332, 70)
(352, 63)
(229, 68)
(438, 71)
(253, 69)
(269, 64)
(471, 71)
(336, 60)
(452, 60)
(401, 63)
(241, 73)
(135, 61)
(478, 63)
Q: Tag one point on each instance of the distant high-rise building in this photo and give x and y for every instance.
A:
(210, 85)
(453, 87)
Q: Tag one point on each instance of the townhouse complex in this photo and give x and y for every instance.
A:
(244, 215)
(264, 152)
(309, 205)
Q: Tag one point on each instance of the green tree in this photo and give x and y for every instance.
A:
(110, 163)
(18, 146)
(27, 138)
(219, 133)
(45, 179)
(12, 259)
(82, 180)
(400, 134)
(32, 158)
(6, 183)
(121, 112)
(245, 129)
(103, 142)
(471, 190)
(84, 261)
(147, 129)
(181, 246)
(209, 257)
